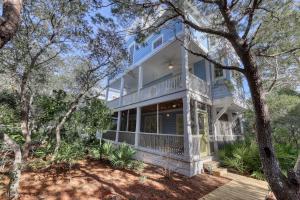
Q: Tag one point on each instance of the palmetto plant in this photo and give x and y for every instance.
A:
(122, 157)
(107, 149)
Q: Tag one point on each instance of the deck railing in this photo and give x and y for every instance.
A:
(130, 98)
(161, 143)
(165, 143)
(198, 85)
(114, 103)
(161, 88)
(164, 87)
(126, 137)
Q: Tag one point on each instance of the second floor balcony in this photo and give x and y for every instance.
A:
(172, 84)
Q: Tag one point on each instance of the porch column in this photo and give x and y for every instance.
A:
(107, 90)
(157, 118)
(140, 80)
(196, 117)
(185, 61)
(137, 126)
(215, 129)
(118, 126)
(230, 120)
(187, 127)
(121, 91)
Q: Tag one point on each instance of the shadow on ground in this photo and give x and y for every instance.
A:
(91, 180)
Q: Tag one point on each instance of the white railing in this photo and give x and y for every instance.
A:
(114, 103)
(127, 137)
(198, 85)
(165, 143)
(130, 98)
(162, 88)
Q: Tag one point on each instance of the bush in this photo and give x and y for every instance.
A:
(243, 156)
(70, 152)
(107, 150)
(122, 157)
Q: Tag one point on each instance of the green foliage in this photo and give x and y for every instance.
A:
(107, 149)
(93, 116)
(51, 107)
(122, 157)
(70, 152)
(284, 108)
(243, 156)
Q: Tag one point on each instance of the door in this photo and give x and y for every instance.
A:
(203, 132)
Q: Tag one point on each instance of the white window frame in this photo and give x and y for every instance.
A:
(158, 38)
(218, 78)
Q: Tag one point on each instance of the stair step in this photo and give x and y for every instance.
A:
(211, 165)
(219, 172)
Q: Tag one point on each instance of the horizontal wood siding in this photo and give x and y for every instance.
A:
(168, 33)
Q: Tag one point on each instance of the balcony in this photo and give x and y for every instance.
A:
(161, 88)
(158, 89)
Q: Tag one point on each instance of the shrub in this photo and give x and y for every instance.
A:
(122, 157)
(244, 157)
(107, 149)
(70, 152)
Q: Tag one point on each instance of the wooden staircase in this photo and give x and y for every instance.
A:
(213, 167)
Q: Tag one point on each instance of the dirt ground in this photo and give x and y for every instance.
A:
(91, 180)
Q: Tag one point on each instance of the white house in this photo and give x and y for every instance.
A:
(175, 108)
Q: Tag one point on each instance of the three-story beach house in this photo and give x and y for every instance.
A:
(174, 107)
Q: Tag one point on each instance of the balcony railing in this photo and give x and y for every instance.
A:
(198, 85)
(161, 88)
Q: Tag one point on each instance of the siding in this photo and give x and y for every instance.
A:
(168, 33)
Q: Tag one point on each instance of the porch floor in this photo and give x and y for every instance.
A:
(240, 188)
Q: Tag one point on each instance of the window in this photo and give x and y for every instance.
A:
(131, 53)
(157, 43)
(218, 73)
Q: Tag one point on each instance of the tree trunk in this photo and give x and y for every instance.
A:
(62, 123)
(16, 171)
(10, 20)
(24, 101)
(282, 188)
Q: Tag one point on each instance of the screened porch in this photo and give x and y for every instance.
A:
(157, 127)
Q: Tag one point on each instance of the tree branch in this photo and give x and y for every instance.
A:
(10, 21)
(278, 54)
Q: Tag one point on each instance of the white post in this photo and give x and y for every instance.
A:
(122, 91)
(196, 117)
(140, 80)
(186, 100)
(127, 121)
(215, 129)
(184, 62)
(107, 90)
(118, 125)
(187, 127)
(230, 120)
(137, 126)
(157, 118)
